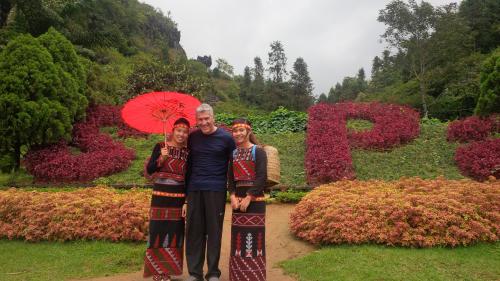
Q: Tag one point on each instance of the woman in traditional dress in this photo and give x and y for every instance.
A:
(164, 256)
(247, 179)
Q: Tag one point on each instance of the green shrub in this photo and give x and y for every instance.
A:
(279, 121)
(489, 100)
(39, 100)
(289, 196)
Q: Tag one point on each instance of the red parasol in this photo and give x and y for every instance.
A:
(156, 112)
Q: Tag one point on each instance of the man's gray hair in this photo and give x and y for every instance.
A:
(205, 107)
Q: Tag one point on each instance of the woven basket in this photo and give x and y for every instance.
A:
(273, 165)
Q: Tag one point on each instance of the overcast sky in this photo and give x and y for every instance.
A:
(335, 37)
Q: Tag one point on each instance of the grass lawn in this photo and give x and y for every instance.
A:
(428, 156)
(21, 177)
(48, 261)
(369, 262)
(133, 175)
(291, 147)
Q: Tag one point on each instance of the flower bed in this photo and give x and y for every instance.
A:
(473, 128)
(100, 154)
(409, 212)
(328, 157)
(91, 214)
(479, 160)
(393, 125)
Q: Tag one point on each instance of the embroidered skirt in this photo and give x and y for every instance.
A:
(248, 251)
(164, 255)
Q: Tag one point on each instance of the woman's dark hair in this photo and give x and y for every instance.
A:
(252, 137)
(182, 120)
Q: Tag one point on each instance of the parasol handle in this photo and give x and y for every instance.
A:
(165, 132)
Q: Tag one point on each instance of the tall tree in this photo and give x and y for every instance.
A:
(258, 84)
(376, 66)
(452, 72)
(245, 86)
(334, 93)
(33, 16)
(489, 100)
(362, 80)
(302, 86)
(483, 18)
(176, 76)
(258, 70)
(38, 99)
(5, 8)
(362, 75)
(64, 54)
(277, 62)
(322, 98)
(350, 89)
(409, 27)
(387, 70)
(72, 73)
(452, 38)
(224, 68)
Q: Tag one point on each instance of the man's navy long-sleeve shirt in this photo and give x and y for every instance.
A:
(208, 160)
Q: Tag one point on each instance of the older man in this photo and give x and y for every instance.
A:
(210, 151)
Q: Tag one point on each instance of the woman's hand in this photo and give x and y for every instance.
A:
(245, 202)
(163, 155)
(184, 210)
(235, 204)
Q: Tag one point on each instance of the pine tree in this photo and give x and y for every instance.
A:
(322, 98)
(64, 55)
(334, 93)
(258, 84)
(38, 99)
(258, 70)
(489, 99)
(302, 86)
(362, 80)
(245, 85)
(277, 62)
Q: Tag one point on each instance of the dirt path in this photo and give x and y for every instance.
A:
(280, 245)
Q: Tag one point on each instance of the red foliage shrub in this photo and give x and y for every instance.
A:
(101, 155)
(110, 115)
(393, 125)
(479, 160)
(409, 212)
(473, 128)
(92, 213)
(328, 157)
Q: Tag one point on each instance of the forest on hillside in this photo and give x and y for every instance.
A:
(440, 60)
(433, 61)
